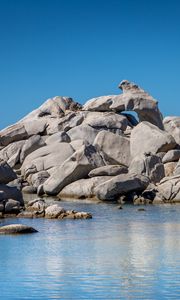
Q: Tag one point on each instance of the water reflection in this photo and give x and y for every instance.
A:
(116, 255)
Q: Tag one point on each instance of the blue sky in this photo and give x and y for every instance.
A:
(83, 49)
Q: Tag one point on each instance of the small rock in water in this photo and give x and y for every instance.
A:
(16, 229)
(141, 209)
(120, 207)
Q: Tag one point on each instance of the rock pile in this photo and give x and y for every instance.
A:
(97, 150)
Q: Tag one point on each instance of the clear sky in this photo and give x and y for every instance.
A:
(84, 48)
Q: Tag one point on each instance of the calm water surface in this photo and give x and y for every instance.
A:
(119, 254)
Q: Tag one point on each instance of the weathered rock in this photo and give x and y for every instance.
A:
(169, 189)
(171, 155)
(53, 211)
(83, 188)
(13, 133)
(78, 144)
(85, 132)
(16, 229)
(34, 126)
(76, 167)
(99, 104)
(25, 214)
(39, 178)
(177, 169)
(110, 170)
(53, 107)
(33, 143)
(12, 206)
(6, 172)
(65, 123)
(72, 214)
(136, 99)
(29, 189)
(172, 125)
(148, 165)
(59, 137)
(11, 153)
(116, 148)
(120, 185)
(46, 158)
(106, 120)
(169, 168)
(36, 205)
(148, 138)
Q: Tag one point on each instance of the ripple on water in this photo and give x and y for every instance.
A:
(119, 254)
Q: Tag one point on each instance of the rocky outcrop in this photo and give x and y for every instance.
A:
(38, 208)
(98, 151)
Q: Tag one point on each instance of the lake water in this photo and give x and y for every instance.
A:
(119, 254)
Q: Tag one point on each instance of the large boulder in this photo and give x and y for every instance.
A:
(136, 99)
(171, 155)
(110, 170)
(99, 103)
(58, 137)
(172, 125)
(120, 185)
(148, 138)
(11, 153)
(65, 123)
(169, 189)
(148, 165)
(33, 143)
(46, 158)
(106, 120)
(75, 167)
(83, 188)
(13, 133)
(34, 126)
(83, 131)
(116, 148)
(6, 172)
